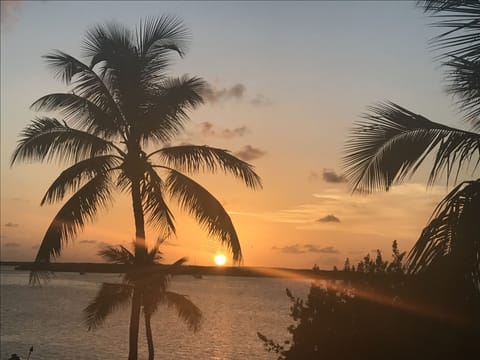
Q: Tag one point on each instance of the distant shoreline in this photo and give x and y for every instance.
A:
(194, 270)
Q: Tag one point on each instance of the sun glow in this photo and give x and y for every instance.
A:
(220, 259)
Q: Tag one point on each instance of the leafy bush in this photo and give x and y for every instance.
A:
(380, 314)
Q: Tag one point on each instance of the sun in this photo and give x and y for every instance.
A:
(220, 259)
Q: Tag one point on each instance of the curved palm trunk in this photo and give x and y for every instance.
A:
(148, 332)
(140, 252)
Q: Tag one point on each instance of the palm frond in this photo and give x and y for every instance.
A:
(165, 110)
(111, 47)
(464, 78)
(80, 208)
(154, 255)
(117, 255)
(461, 22)
(439, 5)
(452, 236)
(207, 210)
(393, 142)
(180, 262)
(154, 205)
(156, 39)
(186, 309)
(459, 47)
(80, 112)
(111, 42)
(193, 159)
(46, 139)
(71, 178)
(108, 299)
(150, 276)
(86, 83)
(154, 35)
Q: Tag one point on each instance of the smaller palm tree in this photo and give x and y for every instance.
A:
(151, 281)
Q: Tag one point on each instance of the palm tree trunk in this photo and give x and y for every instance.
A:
(134, 324)
(148, 332)
(140, 252)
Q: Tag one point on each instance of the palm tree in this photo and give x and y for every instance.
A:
(152, 283)
(391, 143)
(117, 123)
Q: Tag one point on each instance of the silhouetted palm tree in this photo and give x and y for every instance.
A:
(151, 281)
(120, 103)
(392, 142)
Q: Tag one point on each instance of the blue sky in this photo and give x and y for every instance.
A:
(306, 71)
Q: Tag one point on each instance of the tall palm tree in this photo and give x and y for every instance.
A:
(151, 281)
(117, 123)
(391, 142)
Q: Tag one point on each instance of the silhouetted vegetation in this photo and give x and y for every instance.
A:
(382, 314)
(118, 122)
(429, 307)
(151, 281)
(391, 142)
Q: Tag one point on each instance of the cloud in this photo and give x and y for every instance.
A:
(329, 218)
(230, 133)
(214, 95)
(11, 244)
(209, 129)
(249, 153)
(10, 224)
(261, 100)
(289, 249)
(331, 176)
(306, 248)
(401, 213)
(324, 250)
(88, 241)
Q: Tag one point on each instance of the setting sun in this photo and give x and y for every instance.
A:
(220, 259)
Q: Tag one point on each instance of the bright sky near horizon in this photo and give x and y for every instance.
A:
(288, 80)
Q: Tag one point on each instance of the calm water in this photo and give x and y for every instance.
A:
(234, 309)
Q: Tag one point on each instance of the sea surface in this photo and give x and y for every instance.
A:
(49, 318)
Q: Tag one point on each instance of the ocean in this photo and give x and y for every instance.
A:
(49, 318)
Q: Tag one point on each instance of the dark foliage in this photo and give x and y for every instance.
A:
(384, 314)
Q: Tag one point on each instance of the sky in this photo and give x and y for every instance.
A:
(287, 81)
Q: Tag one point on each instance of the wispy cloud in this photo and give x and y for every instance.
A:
(261, 100)
(306, 248)
(214, 95)
(382, 214)
(206, 128)
(331, 176)
(10, 224)
(329, 218)
(249, 153)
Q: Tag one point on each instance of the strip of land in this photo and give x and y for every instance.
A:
(194, 270)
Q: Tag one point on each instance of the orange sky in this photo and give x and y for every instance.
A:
(284, 96)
